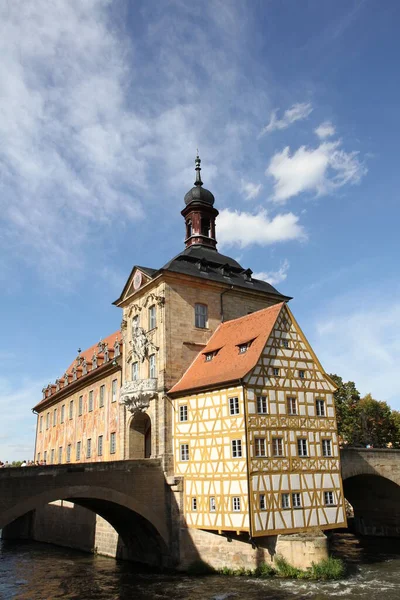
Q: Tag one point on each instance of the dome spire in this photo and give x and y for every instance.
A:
(197, 162)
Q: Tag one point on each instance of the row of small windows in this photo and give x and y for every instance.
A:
(78, 449)
(102, 395)
(260, 448)
(262, 407)
(152, 372)
(287, 501)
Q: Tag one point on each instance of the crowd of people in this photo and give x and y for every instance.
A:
(24, 463)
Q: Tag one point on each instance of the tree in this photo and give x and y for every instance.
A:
(347, 398)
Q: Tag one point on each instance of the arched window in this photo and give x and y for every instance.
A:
(188, 228)
(205, 227)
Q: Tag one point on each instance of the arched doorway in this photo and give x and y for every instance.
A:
(140, 436)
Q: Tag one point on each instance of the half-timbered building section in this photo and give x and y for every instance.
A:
(285, 420)
(79, 417)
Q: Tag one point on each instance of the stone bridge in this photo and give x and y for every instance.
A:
(371, 483)
(133, 496)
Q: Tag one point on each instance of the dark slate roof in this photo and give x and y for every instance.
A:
(199, 194)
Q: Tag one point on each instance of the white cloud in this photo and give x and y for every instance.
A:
(361, 343)
(17, 438)
(250, 190)
(235, 228)
(325, 130)
(274, 277)
(319, 170)
(297, 112)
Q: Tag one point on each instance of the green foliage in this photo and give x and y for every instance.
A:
(331, 568)
(199, 567)
(286, 570)
(264, 570)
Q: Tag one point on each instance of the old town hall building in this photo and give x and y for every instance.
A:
(212, 374)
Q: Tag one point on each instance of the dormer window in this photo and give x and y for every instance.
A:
(106, 354)
(210, 355)
(116, 349)
(65, 379)
(94, 362)
(84, 367)
(244, 347)
(247, 274)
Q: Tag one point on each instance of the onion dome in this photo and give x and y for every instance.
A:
(198, 193)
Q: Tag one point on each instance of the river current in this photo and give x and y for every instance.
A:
(34, 571)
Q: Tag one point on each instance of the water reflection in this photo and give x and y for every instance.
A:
(33, 571)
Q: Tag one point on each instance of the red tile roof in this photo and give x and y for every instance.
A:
(228, 364)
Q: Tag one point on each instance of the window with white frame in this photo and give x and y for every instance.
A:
(236, 503)
(52, 456)
(236, 448)
(194, 504)
(277, 446)
(285, 500)
(60, 454)
(68, 453)
(320, 408)
(259, 447)
(296, 500)
(329, 498)
(114, 390)
(100, 445)
(78, 450)
(184, 452)
(54, 417)
(62, 416)
(71, 409)
(285, 344)
(275, 372)
(113, 443)
(302, 373)
(291, 405)
(233, 406)
(80, 406)
(88, 448)
(90, 403)
(212, 504)
(152, 317)
(47, 420)
(262, 407)
(152, 366)
(244, 347)
(302, 447)
(262, 502)
(102, 395)
(200, 315)
(326, 447)
(135, 371)
(183, 413)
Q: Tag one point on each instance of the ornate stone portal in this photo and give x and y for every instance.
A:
(136, 395)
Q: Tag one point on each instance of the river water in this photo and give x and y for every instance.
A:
(33, 571)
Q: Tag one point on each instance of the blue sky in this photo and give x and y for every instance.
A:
(294, 108)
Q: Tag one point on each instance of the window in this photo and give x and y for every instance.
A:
(261, 405)
(275, 372)
(38, 457)
(320, 408)
(152, 317)
(52, 456)
(45, 456)
(205, 227)
(78, 450)
(184, 452)
(80, 406)
(277, 447)
(152, 366)
(41, 424)
(243, 348)
(259, 444)
(302, 374)
(302, 447)
(233, 406)
(62, 417)
(212, 504)
(329, 499)
(326, 448)
(88, 448)
(236, 448)
(68, 453)
(285, 343)
(90, 403)
(236, 503)
(135, 371)
(261, 502)
(296, 500)
(135, 322)
(183, 413)
(100, 445)
(200, 315)
(102, 395)
(55, 417)
(209, 356)
(47, 420)
(60, 454)
(291, 406)
(194, 504)
(285, 500)
(114, 390)
(113, 443)
(71, 409)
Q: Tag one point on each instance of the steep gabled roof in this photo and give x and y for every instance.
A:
(228, 363)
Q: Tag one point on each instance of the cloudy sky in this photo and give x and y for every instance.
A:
(294, 107)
